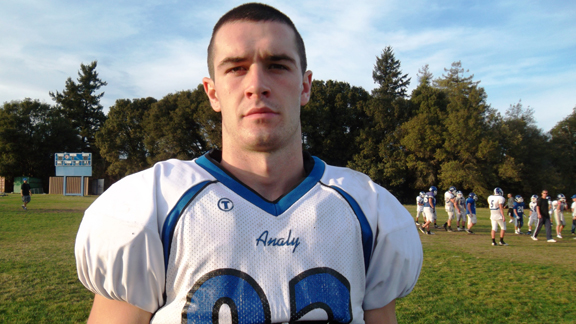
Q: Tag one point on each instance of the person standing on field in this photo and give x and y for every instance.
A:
(420, 207)
(450, 206)
(573, 208)
(461, 211)
(533, 213)
(496, 204)
(510, 205)
(543, 218)
(257, 231)
(471, 211)
(25, 192)
(559, 205)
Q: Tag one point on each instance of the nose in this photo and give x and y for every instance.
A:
(257, 82)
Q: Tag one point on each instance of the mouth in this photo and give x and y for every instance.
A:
(263, 112)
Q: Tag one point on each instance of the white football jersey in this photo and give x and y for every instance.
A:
(185, 240)
(419, 203)
(447, 196)
(493, 203)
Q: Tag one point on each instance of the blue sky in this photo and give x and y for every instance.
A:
(519, 50)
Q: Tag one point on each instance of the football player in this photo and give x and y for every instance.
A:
(461, 211)
(450, 206)
(429, 210)
(471, 211)
(559, 205)
(573, 208)
(259, 231)
(533, 213)
(518, 213)
(496, 204)
(420, 206)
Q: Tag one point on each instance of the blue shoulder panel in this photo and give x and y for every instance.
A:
(272, 208)
(174, 216)
(367, 236)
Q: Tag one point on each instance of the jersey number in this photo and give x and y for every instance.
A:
(322, 288)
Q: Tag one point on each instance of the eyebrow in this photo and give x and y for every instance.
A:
(270, 58)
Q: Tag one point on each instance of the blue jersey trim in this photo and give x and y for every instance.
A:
(367, 236)
(272, 208)
(174, 216)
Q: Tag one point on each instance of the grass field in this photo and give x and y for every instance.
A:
(464, 279)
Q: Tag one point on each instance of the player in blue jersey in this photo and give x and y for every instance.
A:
(259, 232)
(471, 211)
(518, 214)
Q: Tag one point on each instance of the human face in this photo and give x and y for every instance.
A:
(544, 194)
(258, 86)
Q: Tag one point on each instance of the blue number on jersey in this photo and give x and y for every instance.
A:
(321, 288)
(238, 290)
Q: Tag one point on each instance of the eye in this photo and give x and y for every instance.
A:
(278, 67)
(236, 70)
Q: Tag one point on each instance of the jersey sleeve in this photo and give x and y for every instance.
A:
(118, 248)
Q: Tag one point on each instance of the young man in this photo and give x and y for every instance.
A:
(496, 204)
(25, 193)
(420, 207)
(460, 202)
(429, 210)
(533, 213)
(510, 205)
(259, 232)
(559, 205)
(450, 206)
(543, 218)
(471, 211)
(518, 214)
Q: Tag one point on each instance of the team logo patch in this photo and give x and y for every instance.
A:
(225, 204)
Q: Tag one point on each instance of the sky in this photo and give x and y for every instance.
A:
(520, 51)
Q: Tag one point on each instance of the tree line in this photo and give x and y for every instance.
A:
(443, 133)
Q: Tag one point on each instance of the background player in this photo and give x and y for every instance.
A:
(429, 210)
(496, 204)
(420, 206)
(450, 206)
(461, 211)
(510, 205)
(533, 213)
(518, 213)
(471, 211)
(559, 205)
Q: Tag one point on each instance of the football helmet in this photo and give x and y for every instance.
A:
(534, 198)
(473, 196)
(498, 191)
(561, 197)
(452, 189)
(422, 194)
(434, 190)
(574, 197)
(519, 198)
(459, 194)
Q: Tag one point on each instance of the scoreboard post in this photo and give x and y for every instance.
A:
(73, 165)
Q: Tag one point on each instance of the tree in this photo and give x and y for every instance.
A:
(30, 133)
(121, 138)
(380, 153)
(563, 150)
(182, 126)
(81, 104)
(332, 119)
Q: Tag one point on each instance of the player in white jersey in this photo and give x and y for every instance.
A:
(533, 213)
(450, 206)
(573, 208)
(259, 232)
(429, 210)
(420, 207)
(559, 205)
(460, 202)
(496, 204)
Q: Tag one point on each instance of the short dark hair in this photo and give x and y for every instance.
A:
(256, 12)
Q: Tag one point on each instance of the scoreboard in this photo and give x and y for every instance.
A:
(73, 159)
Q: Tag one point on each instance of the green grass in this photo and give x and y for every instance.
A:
(464, 279)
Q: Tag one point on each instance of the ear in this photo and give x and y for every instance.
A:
(211, 93)
(306, 88)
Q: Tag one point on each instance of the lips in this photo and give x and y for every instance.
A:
(260, 112)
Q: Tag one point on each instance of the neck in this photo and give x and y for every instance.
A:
(270, 174)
